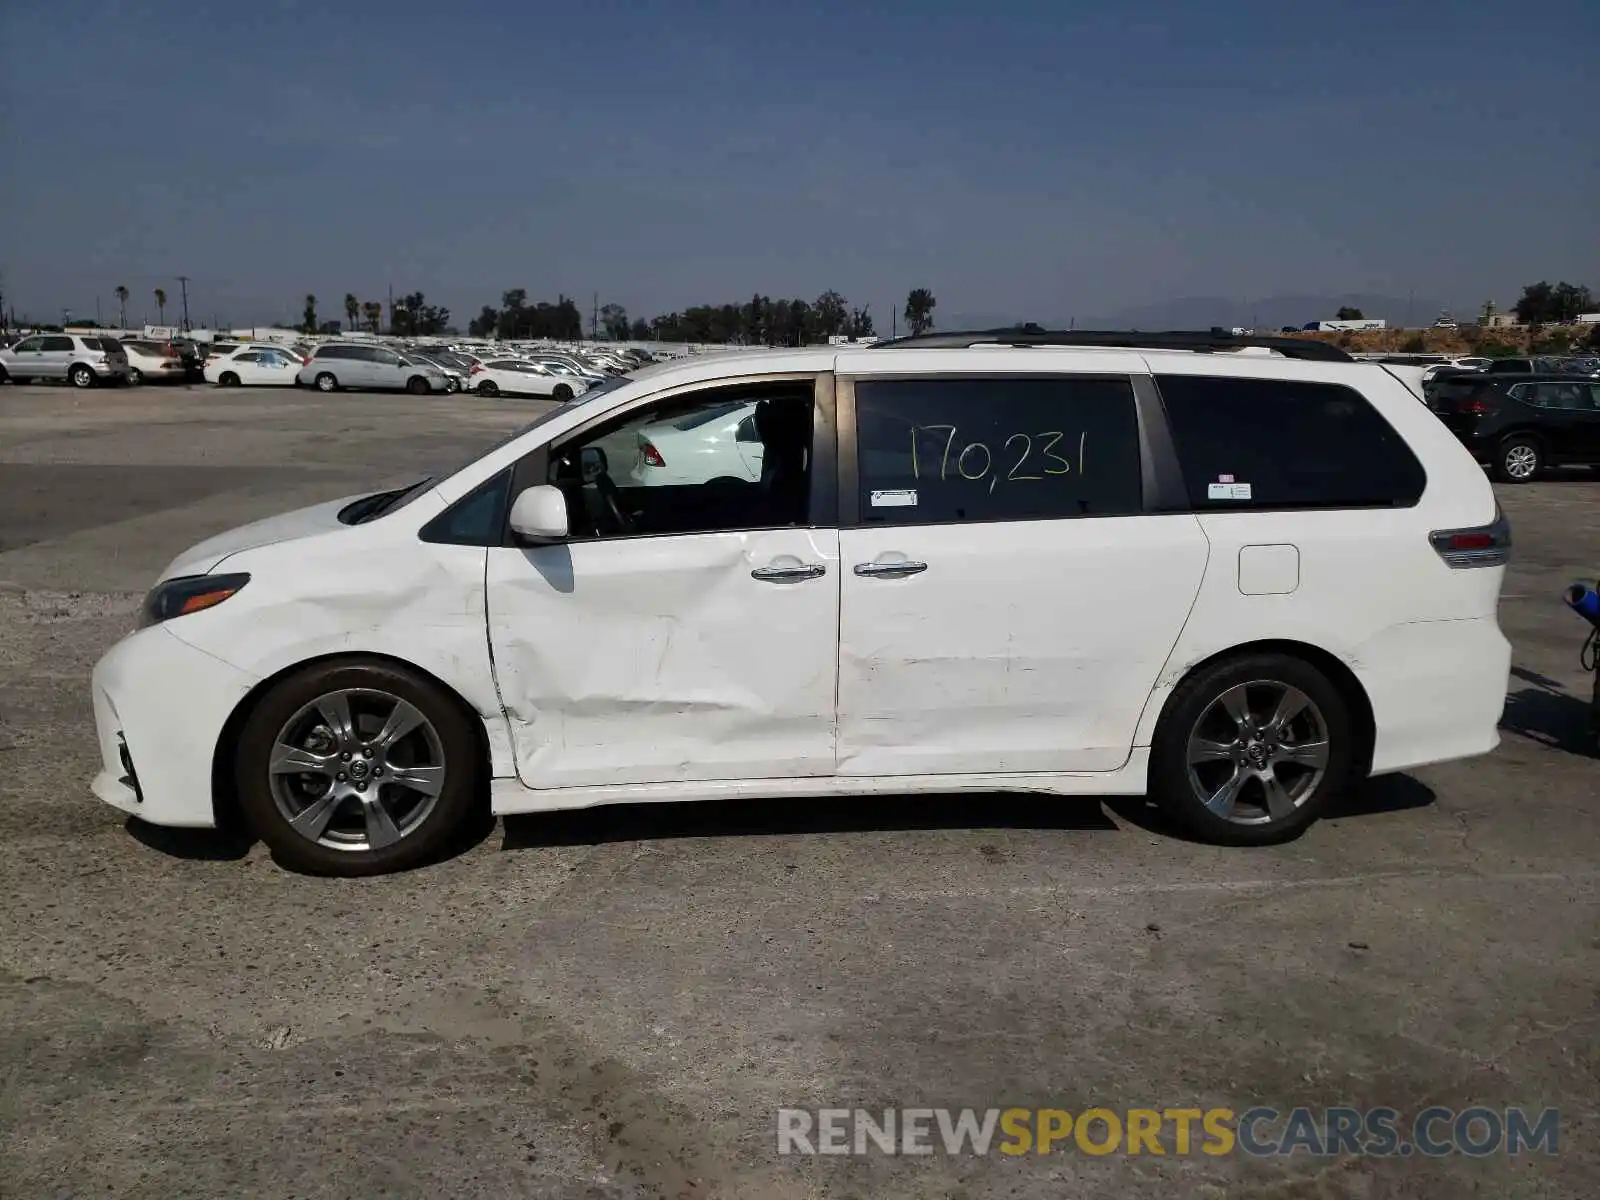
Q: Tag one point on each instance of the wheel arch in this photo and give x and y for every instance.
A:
(224, 796)
(1338, 672)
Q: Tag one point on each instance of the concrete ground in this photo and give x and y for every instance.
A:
(614, 1003)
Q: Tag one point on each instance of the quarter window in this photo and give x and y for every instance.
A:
(1272, 443)
(943, 450)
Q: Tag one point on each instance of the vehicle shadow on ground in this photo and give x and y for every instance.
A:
(833, 814)
(1374, 797)
(195, 845)
(878, 814)
(1549, 714)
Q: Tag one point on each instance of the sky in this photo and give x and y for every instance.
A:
(1023, 159)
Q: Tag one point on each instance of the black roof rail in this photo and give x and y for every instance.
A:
(1129, 339)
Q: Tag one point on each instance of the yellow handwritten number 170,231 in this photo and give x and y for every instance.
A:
(976, 461)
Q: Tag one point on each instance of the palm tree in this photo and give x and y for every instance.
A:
(919, 310)
(161, 307)
(310, 314)
(122, 306)
(373, 311)
(352, 308)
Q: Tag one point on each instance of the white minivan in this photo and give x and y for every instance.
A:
(1236, 574)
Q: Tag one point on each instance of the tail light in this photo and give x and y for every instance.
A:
(1477, 408)
(476, 368)
(1479, 546)
(652, 456)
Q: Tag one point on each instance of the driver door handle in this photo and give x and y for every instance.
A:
(790, 574)
(889, 570)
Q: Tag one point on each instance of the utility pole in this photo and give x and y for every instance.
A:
(391, 308)
(183, 282)
(594, 321)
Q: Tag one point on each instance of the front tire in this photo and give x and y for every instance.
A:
(357, 768)
(562, 393)
(488, 388)
(1520, 460)
(228, 379)
(82, 377)
(327, 383)
(1252, 749)
(418, 386)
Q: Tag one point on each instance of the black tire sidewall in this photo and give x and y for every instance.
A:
(1169, 769)
(229, 379)
(1510, 444)
(411, 386)
(457, 799)
(81, 377)
(563, 393)
(488, 388)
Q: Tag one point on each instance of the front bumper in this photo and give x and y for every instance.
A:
(159, 708)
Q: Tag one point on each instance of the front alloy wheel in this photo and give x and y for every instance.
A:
(357, 768)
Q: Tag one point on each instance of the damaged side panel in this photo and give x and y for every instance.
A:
(391, 595)
(664, 659)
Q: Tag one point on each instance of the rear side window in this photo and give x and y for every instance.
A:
(56, 344)
(1271, 443)
(335, 352)
(943, 450)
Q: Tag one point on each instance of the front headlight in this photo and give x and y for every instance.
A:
(188, 594)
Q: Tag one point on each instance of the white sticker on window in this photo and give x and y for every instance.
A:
(1228, 491)
(898, 498)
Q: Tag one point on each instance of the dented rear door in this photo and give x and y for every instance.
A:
(669, 659)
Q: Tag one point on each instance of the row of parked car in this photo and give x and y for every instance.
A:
(522, 369)
(1522, 416)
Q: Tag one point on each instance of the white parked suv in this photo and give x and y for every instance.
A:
(1236, 580)
(82, 361)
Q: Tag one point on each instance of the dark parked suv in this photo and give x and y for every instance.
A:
(1521, 424)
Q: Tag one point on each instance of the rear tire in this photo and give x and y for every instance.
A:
(82, 376)
(327, 383)
(228, 379)
(1520, 459)
(135, 376)
(418, 386)
(562, 393)
(410, 826)
(1219, 741)
(4, 378)
(488, 388)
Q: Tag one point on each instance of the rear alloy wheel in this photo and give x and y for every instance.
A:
(418, 386)
(327, 383)
(228, 379)
(357, 769)
(82, 376)
(488, 388)
(1520, 460)
(135, 376)
(1252, 749)
(562, 393)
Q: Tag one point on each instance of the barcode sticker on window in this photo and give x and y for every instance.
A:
(1228, 491)
(897, 498)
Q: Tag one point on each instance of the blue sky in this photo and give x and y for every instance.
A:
(1022, 159)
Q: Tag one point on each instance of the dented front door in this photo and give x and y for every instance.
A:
(668, 659)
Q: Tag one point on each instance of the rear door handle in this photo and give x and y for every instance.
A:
(889, 570)
(789, 574)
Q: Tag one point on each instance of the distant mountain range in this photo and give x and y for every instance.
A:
(1203, 312)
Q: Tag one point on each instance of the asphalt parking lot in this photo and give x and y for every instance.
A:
(614, 1003)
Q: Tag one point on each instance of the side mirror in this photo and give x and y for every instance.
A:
(539, 513)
